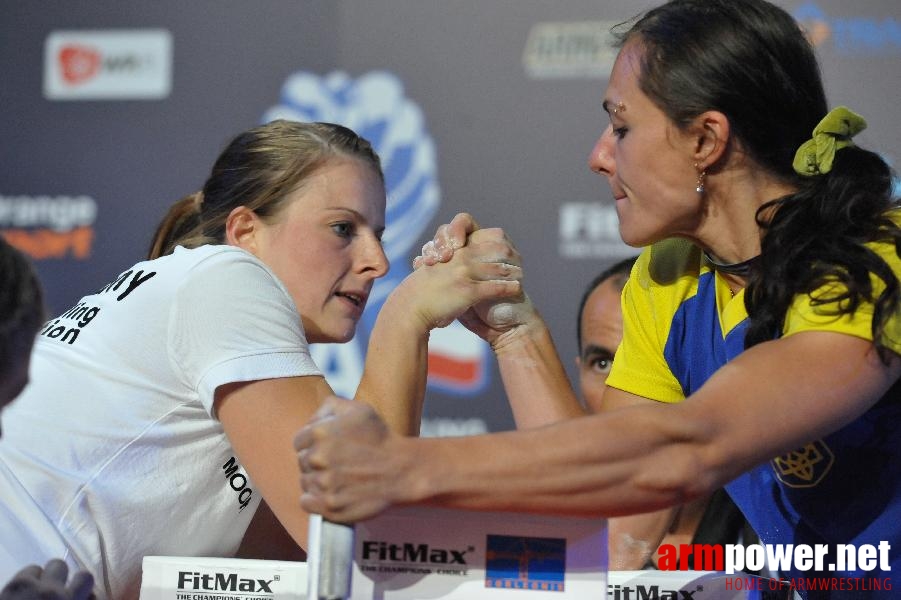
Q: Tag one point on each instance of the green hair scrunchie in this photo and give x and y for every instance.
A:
(834, 132)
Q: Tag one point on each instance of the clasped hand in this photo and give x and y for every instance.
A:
(493, 319)
(348, 462)
(49, 583)
(470, 268)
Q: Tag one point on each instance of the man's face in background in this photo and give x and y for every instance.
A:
(602, 330)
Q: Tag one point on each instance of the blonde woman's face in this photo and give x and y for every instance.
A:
(325, 246)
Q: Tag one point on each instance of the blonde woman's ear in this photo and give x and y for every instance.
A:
(241, 228)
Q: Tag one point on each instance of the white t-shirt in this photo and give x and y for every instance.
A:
(113, 451)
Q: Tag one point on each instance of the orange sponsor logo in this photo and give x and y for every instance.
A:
(42, 244)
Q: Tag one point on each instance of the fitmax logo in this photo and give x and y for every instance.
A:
(647, 592)
(412, 553)
(220, 582)
(590, 230)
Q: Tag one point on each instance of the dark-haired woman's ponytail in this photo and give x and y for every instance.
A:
(822, 235)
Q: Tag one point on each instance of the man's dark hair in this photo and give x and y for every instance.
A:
(619, 272)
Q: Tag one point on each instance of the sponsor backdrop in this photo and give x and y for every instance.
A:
(111, 110)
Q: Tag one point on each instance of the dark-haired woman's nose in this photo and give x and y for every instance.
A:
(601, 159)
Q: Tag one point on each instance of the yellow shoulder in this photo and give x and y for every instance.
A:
(668, 261)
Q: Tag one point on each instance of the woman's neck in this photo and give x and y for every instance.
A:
(729, 232)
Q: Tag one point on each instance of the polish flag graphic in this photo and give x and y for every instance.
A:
(456, 358)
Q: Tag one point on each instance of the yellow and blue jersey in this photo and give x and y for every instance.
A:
(681, 324)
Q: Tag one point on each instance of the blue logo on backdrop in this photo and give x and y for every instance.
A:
(857, 36)
(374, 106)
(525, 563)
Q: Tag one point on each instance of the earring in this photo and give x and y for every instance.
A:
(699, 188)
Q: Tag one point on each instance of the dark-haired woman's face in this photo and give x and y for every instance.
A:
(648, 162)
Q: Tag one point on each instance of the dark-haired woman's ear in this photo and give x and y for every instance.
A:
(241, 228)
(710, 132)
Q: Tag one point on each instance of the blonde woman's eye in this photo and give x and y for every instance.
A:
(343, 229)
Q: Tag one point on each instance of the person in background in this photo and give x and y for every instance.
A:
(161, 408)
(599, 330)
(21, 314)
(634, 539)
(765, 309)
